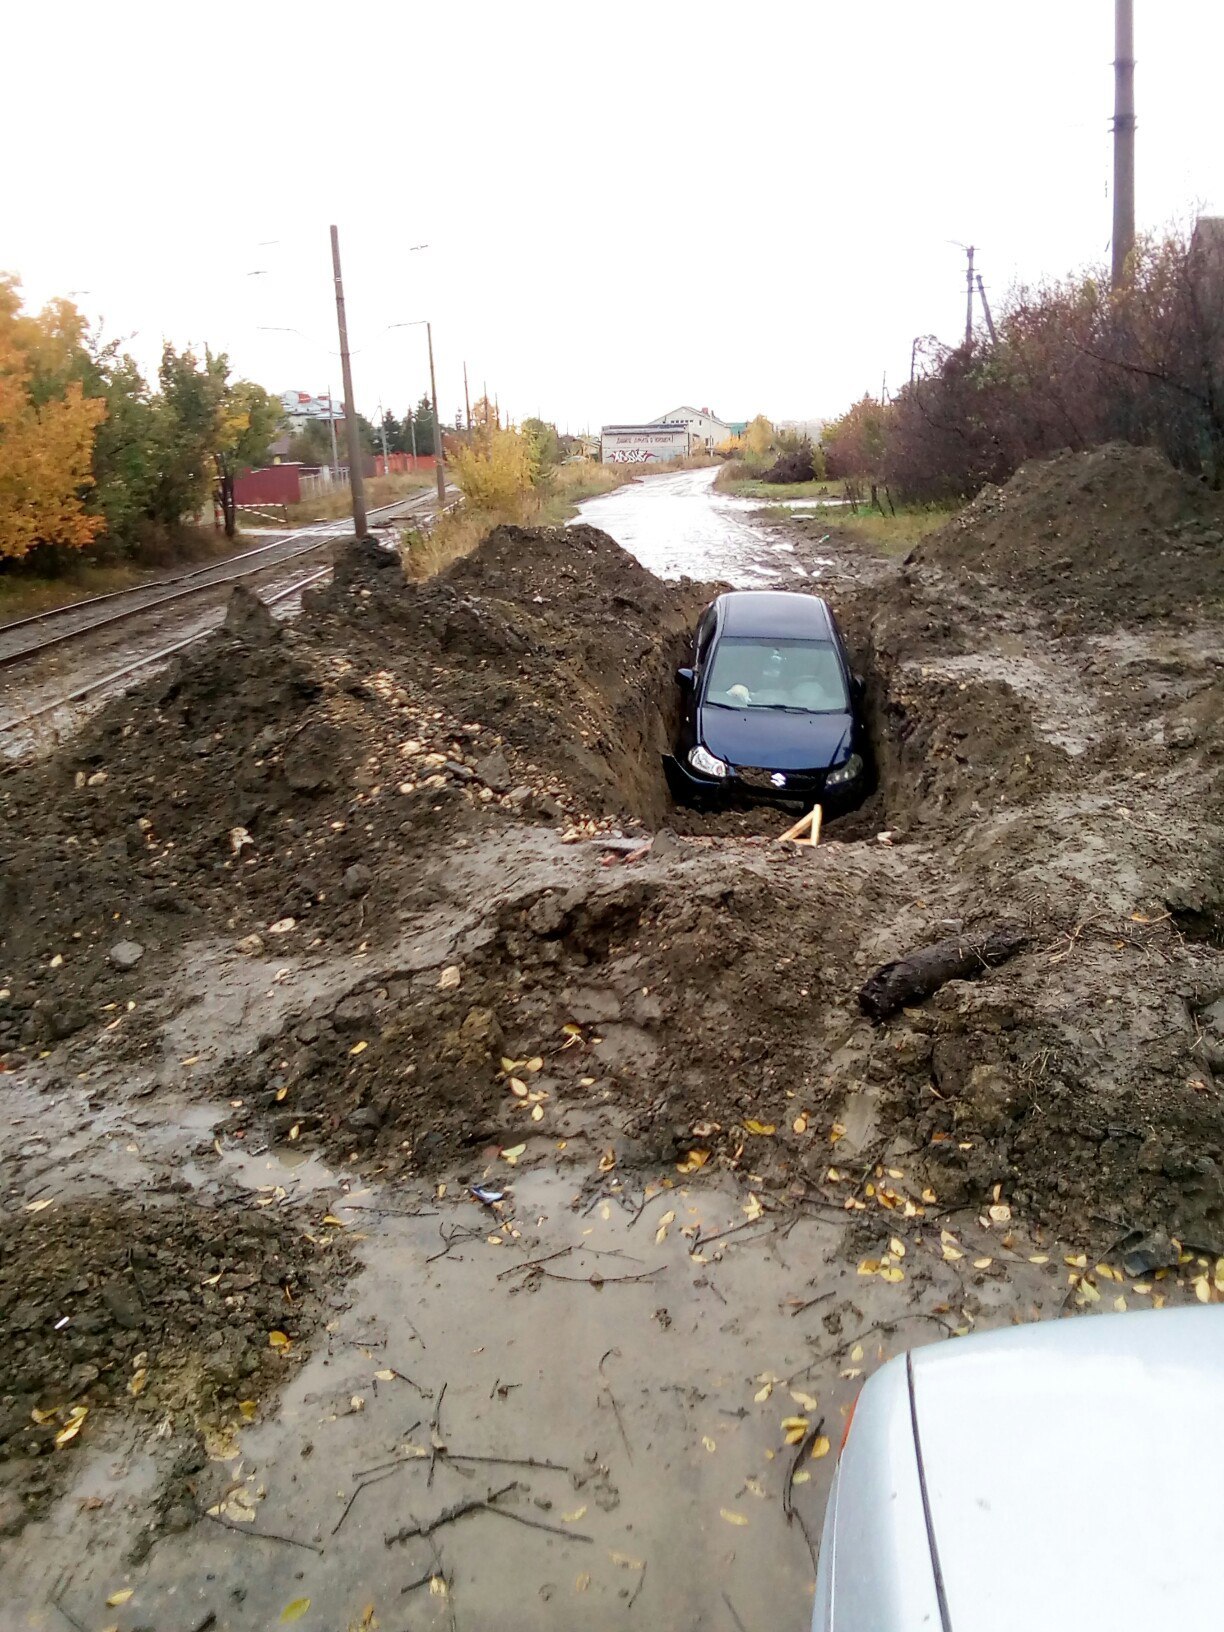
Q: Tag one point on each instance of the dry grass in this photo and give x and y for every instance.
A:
(462, 528)
(338, 503)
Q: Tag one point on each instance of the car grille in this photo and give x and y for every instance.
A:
(797, 782)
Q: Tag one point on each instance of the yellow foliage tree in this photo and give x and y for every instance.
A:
(760, 437)
(496, 473)
(45, 446)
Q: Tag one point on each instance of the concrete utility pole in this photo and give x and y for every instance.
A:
(981, 289)
(356, 484)
(382, 426)
(467, 403)
(1124, 139)
(969, 306)
(433, 391)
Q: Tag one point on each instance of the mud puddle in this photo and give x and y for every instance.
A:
(623, 1362)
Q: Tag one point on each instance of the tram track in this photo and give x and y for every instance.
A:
(68, 670)
(180, 587)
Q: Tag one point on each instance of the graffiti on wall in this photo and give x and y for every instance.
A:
(631, 456)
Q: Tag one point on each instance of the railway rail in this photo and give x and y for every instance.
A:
(180, 586)
(250, 563)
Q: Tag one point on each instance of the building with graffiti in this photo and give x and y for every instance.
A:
(643, 444)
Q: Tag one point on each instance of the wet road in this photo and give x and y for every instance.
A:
(678, 526)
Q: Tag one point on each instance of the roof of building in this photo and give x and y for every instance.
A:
(686, 408)
(775, 614)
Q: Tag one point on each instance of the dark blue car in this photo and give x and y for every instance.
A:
(771, 710)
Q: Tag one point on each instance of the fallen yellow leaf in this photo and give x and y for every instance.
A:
(869, 1266)
(707, 1442)
(693, 1160)
(982, 1263)
(892, 1274)
(800, 1478)
(731, 1518)
(582, 1583)
(246, 1410)
(120, 1597)
(278, 1340)
(820, 1447)
(534, 1064)
(761, 1128)
(512, 1153)
(518, 1087)
(359, 1048)
(572, 1518)
(76, 1421)
(537, 1113)
(668, 1218)
(807, 1401)
(294, 1611)
(330, 1218)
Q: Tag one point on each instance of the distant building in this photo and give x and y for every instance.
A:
(299, 406)
(644, 444)
(705, 428)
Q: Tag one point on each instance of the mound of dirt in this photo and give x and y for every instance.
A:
(177, 1312)
(1112, 536)
(298, 776)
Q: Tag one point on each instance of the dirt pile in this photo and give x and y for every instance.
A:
(296, 776)
(1113, 535)
(175, 1312)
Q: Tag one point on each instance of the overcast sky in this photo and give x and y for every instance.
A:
(627, 207)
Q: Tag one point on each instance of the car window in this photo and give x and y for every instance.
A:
(701, 646)
(804, 674)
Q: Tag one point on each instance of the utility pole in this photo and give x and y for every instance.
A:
(969, 305)
(356, 484)
(382, 425)
(433, 391)
(331, 425)
(981, 289)
(467, 403)
(412, 422)
(1124, 139)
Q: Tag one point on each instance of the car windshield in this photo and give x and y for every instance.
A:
(798, 674)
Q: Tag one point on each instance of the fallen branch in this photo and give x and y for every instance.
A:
(801, 1450)
(262, 1535)
(920, 973)
(448, 1515)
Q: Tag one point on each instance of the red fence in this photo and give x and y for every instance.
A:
(278, 484)
(400, 464)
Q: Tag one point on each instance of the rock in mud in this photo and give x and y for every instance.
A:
(126, 954)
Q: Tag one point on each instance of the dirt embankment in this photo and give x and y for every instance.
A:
(380, 775)
(1112, 536)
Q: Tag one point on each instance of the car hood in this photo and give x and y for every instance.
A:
(774, 740)
(1048, 1450)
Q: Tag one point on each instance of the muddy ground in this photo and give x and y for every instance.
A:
(336, 919)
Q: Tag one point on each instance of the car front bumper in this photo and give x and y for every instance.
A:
(806, 788)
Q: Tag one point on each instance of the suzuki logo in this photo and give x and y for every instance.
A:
(778, 780)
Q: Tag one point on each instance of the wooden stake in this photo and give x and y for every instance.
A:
(810, 823)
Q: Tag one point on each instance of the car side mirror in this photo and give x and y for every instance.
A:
(685, 677)
(858, 686)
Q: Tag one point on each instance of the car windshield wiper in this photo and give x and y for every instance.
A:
(791, 708)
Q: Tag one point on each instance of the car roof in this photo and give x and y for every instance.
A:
(774, 613)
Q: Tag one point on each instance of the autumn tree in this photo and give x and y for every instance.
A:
(47, 430)
(759, 438)
(246, 420)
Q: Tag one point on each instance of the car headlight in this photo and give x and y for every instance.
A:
(701, 759)
(845, 773)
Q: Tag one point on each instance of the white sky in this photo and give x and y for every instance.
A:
(627, 207)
